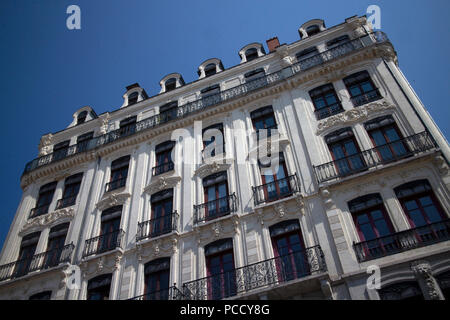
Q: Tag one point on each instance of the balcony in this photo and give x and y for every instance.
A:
(328, 111)
(403, 241)
(41, 261)
(378, 156)
(116, 184)
(276, 190)
(214, 209)
(158, 226)
(267, 273)
(226, 95)
(364, 98)
(104, 243)
(66, 202)
(162, 168)
(38, 211)
(171, 293)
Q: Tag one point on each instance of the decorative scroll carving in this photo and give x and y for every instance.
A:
(41, 222)
(423, 272)
(104, 118)
(161, 183)
(44, 145)
(210, 168)
(112, 200)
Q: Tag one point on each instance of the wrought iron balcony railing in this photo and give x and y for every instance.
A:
(270, 272)
(403, 241)
(276, 190)
(162, 168)
(367, 97)
(216, 208)
(116, 184)
(202, 103)
(66, 202)
(380, 155)
(38, 211)
(104, 243)
(157, 226)
(41, 261)
(171, 293)
(328, 111)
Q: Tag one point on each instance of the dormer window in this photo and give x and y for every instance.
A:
(81, 118)
(251, 54)
(210, 69)
(171, 84)
(312, 30)
(133, 98)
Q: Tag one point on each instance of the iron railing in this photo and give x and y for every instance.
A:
(41, 261)
(66, 202)
(328, 111)
(202, 103)
(104, 243)
(403, 241)
(281, 269)
(276, 190)
(366, 97)
(116, 184)
(162, 168)
(216, 208)
(380, 155)
(38, 211)
(171, 293)
(213, 152)
(157, 226)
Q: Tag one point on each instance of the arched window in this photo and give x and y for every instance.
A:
(157, 275)
(99, 287)
(312, 30)
(402, 291)
(251, 54)
(171, 84)
(81, 118)
(132, 98)
(210, 69)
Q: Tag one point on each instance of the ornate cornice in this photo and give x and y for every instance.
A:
(160, 183)
(104, 264)
(111, 200)
(41, 222)
(353, 116)
(209, 168)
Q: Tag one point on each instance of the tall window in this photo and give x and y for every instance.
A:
(171, 84)
(345, 152)
(387, 138)
(420, 205)
(55, 245)
(81, 118)
(162, 209)
(99, 287)
(220, 269)
(275, 182)
(60, 150)
(71, 188)
(110, 229)
(44, 199)
(251, 54)
(83, 141)
(45, 295)
(325, 101)
(215, 188)
(26, 253)
(361, 88)
(164, 162)
(289, 250)
(157, 275)
(127, 126)
(263, 119)
(209, 140)
(119, 173)
(210, 69)
(133, 98)
(168, 111)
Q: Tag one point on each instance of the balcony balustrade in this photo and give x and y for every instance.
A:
(157, 226)
(171, 293)
(276, 190)
(162, 168)
(66, 202)
(104, 243)
(38, 211)
(216, 208)
(116, 184)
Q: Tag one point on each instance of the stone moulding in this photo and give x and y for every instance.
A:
(111, 200)
(209, 168)
(353, 116)
(41, 222)
(161, 183)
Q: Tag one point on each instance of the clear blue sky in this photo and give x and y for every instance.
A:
(47, 72)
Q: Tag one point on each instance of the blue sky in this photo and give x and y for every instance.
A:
(47, 72)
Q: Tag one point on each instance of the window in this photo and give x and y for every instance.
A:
(99, 287)
(119, 172)
(402, 291)
(210, 69)
(26, 253)
(210, 91)
(289, 250)
(312, 30)
(60, 150)
(255, 74)
(162, 209)
(215, 189)
(55, 245)
(307, 53)
(325, 101)
(251, 54)
(127, 126)
(386, 138)
(421, 207)
(81, 118)
(168, 111)
(164, 162)
(45, 295)
(171, 84)
(44, 199)
(71, 188)
(337, 41)
(275, 182)
(220, 269)
(263, 121)
(133, 98)
(361, 88)
(157, 277)
(209, 140)
(344, 149)
(83, 141)
(110, 236)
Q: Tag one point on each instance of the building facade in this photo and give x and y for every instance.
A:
(176, 196)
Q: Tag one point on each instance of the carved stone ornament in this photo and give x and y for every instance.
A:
(280, 209)
(41, 222)
(217, 229)
(423, 272)
(104, 118)
(300, 203)
(352, 116)
(45, 143)
(103, 264)
(441, 165)
(161, 183)
(326, 195)
(207, 169)
(112, 200)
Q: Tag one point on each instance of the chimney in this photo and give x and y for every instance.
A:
(273, 43)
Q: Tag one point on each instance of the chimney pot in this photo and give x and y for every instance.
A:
(273, 43)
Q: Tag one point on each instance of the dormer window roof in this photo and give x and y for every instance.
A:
(210, 67)
(133, 95)
(171, 82)
(81, 118)
(310, 28)
(251, 52)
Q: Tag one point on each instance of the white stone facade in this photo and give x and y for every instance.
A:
(320, 207)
